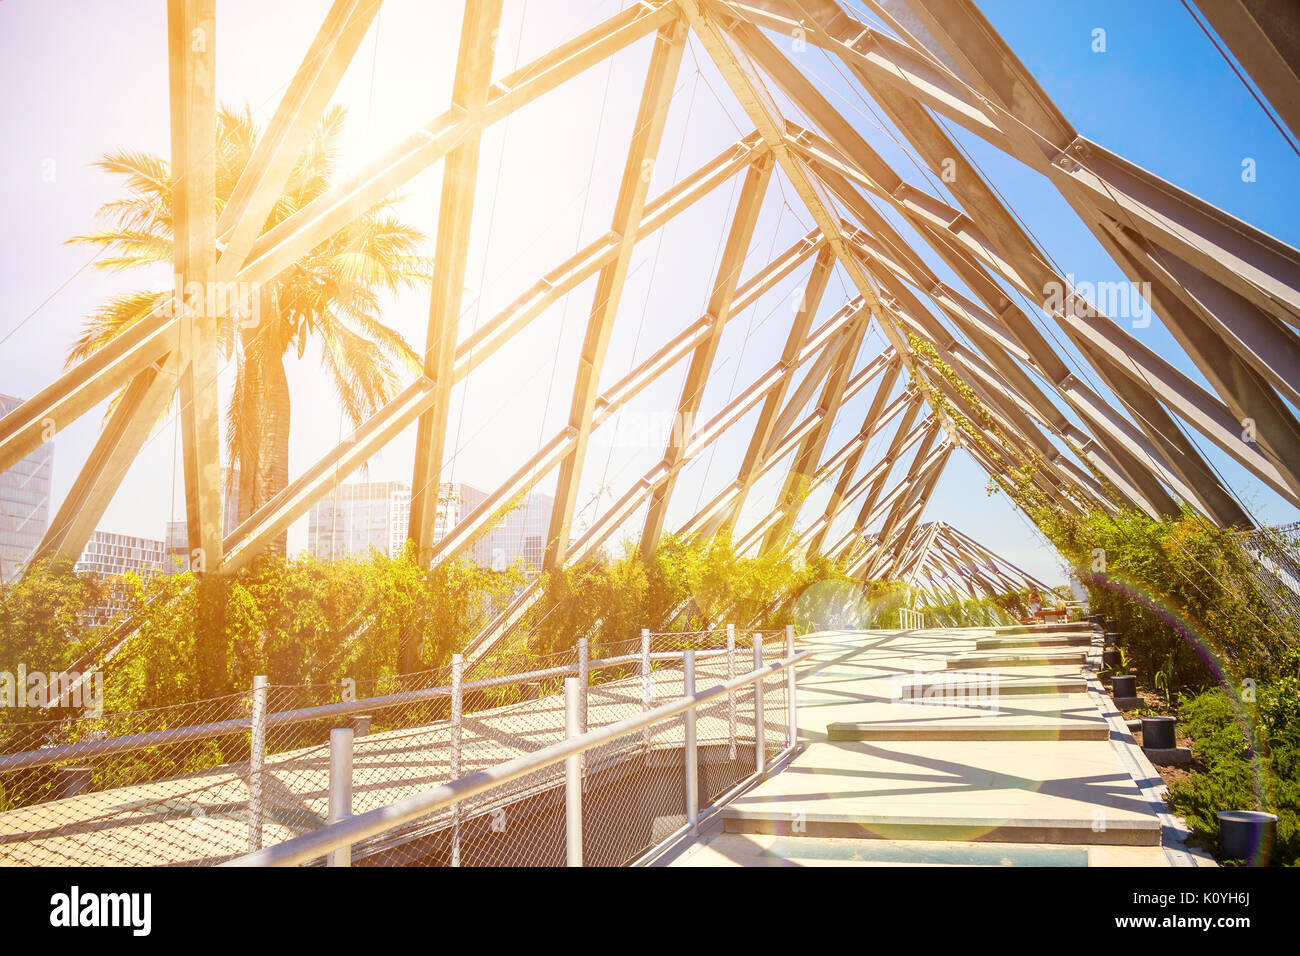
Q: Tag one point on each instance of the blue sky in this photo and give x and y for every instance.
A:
(81, 78)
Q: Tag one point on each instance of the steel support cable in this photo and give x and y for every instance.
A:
(654, 268)
(1244, 82)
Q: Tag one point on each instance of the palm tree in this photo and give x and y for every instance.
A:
(332, 294)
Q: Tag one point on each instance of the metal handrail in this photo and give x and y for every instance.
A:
(108, 746)
(354, 829)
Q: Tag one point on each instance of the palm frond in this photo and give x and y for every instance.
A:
(134, 247)
(111, 320)
(364, 379)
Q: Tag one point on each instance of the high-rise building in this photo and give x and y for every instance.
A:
(520, 537)
(110, 555)
(24, 503)
(361, 516)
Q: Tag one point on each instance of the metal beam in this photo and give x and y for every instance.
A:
(850, 469)
(276, 515)
(191, 39)
(724, 286)
(647, 133)
(280, 146)
(455, 215)
(1264, 36)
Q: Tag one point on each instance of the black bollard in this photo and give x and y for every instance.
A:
(73, 781)
(1124, 685)
(1247, 835)
(1158, 733)
(360, 724)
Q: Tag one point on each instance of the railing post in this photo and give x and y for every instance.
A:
(690, 751)
(731, 698)
(256, 761)
(572, 778)
(457, 704)
(340, 805)
(584, 676)
(760, 758)
(645, 680)
(792, 706)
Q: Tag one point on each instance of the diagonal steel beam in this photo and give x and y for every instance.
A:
(1265, 38)
(697, 375)
(283, 244)
(647, 133)
(767, 419)
(455, 215)
(280, 146)
(133, 419)
(850, 469)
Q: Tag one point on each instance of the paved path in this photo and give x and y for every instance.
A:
(950, 747)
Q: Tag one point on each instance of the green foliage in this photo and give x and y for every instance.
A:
(1251, 757)
(688, 585)
(299, 621)
(1180, 591)
(42, 623)
(985, 612)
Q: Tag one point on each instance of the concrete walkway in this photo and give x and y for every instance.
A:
(949, 747)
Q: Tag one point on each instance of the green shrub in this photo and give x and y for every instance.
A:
(1252, 762)
(684, 585)
(1181, 592)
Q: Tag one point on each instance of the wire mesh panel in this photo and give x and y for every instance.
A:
(724, 736)
(1274, 564)
(176, 800)
(634, 788)
(221, 777)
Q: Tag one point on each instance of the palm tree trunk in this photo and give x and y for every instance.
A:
(264, 419)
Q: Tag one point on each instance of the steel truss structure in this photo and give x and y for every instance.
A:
(944, 566)
(1227, 292)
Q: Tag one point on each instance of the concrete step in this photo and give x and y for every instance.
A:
(1032, 641)
(752, 849)
(972, 728)
(935, 687)
(1057, 792)
(1070, 628)
(1021, 659)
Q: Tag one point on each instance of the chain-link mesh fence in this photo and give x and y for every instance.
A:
(217, 778)
(1274, 564)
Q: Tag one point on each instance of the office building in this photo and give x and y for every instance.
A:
(24, 503)
(361, 516)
